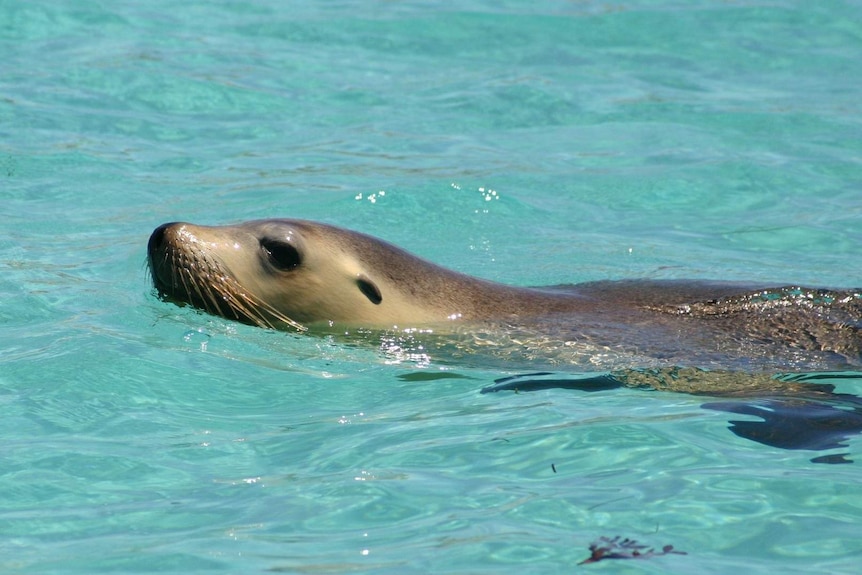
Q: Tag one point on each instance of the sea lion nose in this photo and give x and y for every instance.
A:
(157, 238)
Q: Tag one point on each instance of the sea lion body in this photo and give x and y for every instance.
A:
(296, 274)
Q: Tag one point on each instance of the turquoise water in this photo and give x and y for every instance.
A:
(533, 143)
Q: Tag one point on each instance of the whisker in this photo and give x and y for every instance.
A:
(212, 294)
(251, 306)
(234, 300)
(278, 315)
(206, 284)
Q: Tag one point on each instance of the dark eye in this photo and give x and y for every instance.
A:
(281, 254)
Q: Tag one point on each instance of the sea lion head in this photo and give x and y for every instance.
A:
(282, 273)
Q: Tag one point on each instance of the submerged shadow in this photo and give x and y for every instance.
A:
(798, 423)
(547, 380)
(814, 417)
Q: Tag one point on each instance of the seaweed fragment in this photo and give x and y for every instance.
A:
(624, 548)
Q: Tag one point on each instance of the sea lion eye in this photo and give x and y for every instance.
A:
(282, 255)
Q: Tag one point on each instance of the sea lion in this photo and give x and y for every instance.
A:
(298, 274)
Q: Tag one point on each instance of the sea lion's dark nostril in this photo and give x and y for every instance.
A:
(157, 238)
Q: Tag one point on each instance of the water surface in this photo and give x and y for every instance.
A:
(538, 144)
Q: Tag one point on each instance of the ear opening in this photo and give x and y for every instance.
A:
(369, 290)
